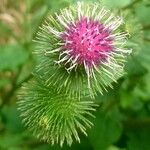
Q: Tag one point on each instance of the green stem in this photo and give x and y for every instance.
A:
(146, 39)
(146, 27)
(7, 97)
(137, 123)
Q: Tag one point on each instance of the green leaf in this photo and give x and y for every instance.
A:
(12, 56)
(139, 140)
(132, 69)
(112, 147)
(10, 141)
(106, 131)
(131, 99)
(12, 120)
(56, 5)
(142, 12)
(116, 3)
(144, 56)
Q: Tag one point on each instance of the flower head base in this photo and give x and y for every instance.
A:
(52, 117)
(83, 39)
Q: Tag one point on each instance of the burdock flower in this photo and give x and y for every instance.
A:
(52, 117)
(81, 51)
(82, 48)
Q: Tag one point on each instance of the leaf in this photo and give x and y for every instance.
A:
(12, 56)
(106, 130)
(131, 67)
(142, 12)
(112, 147)
(10, 141)
(144, 56)
(116, 3)
(56, 5)
(131, 99)
(12, 121)
(139, 140)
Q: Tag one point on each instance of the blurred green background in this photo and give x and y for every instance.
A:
(123, 118)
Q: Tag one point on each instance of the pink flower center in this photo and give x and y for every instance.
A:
(87, 41)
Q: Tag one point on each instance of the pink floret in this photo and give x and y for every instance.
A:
(87, 41)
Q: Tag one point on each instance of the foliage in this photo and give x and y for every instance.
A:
(123, 119)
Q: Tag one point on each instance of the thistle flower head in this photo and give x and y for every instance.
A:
(81, 51)
(83, 39)
(86, 43)
(52, 117)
